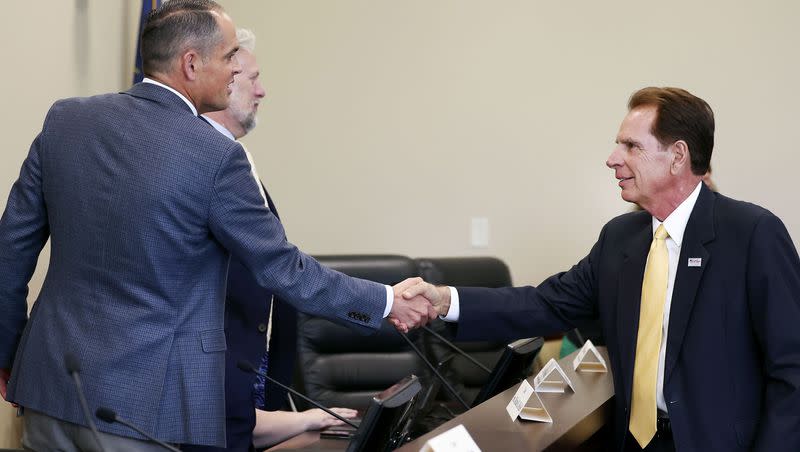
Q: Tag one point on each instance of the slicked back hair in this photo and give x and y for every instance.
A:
(680, 115)
(176, 26)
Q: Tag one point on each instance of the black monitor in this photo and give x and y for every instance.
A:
(513, 366)
(383, 425)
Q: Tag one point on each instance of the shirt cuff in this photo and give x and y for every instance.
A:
(455, 307)
(389, 301)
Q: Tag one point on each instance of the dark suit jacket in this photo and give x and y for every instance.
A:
(144, 204)
(246, 313)
(732, 369)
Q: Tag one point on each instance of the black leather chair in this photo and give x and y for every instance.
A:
(466, 377)
(339, 367)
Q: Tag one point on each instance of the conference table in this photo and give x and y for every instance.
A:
(576, 416)
(577, 419)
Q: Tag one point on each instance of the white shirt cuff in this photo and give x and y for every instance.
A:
(455, 307)
(389, 301)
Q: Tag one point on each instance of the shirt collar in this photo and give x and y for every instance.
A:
(169, 88)
(675, 223)
(220, 128)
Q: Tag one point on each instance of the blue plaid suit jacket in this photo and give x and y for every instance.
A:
(143, 203)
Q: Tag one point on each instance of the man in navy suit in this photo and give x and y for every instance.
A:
(721, 276)
(254, 317)
(144, 203)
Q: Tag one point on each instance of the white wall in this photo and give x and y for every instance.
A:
(388, 125)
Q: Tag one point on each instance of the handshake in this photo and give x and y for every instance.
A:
(417, 303)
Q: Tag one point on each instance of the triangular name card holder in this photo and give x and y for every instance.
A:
(589, 360)
(552, 379)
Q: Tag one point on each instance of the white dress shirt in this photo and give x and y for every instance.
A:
(223, 130)
(675, 224)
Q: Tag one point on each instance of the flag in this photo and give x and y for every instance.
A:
(147, 6)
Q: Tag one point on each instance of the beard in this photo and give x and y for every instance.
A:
(249, 122)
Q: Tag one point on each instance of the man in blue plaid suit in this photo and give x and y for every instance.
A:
(144, 203)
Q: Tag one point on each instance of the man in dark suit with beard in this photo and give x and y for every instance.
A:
(259, 327)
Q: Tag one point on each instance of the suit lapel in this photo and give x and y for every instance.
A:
(699, 231)
(630, 294)
(270, 204)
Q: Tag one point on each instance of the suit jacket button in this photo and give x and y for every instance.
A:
(262, 328)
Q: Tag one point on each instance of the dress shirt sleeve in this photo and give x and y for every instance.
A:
(389, 301)
(455, 306)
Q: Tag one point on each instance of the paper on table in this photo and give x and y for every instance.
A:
(457, 439)
(519, 400)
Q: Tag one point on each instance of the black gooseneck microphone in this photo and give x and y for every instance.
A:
(457, 349)
(444, 381)
(110, 416)
(74, 368)
(246, 366)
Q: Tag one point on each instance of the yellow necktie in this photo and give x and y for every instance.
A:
(648, 340)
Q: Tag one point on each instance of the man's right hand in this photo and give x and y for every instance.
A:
(410, 312)
(439, 296)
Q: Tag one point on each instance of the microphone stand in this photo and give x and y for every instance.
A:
(457, 349)
(74, 369)
(110, 416)
(444, 381)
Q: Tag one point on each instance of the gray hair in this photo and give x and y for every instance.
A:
(247, 39)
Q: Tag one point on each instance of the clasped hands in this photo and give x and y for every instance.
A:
(417, 303)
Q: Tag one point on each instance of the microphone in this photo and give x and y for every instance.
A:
(74, 368)
(247, 367)
(444, 381)
(110, 416)
(457, 349)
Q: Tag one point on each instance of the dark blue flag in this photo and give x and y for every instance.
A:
(147, 6)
